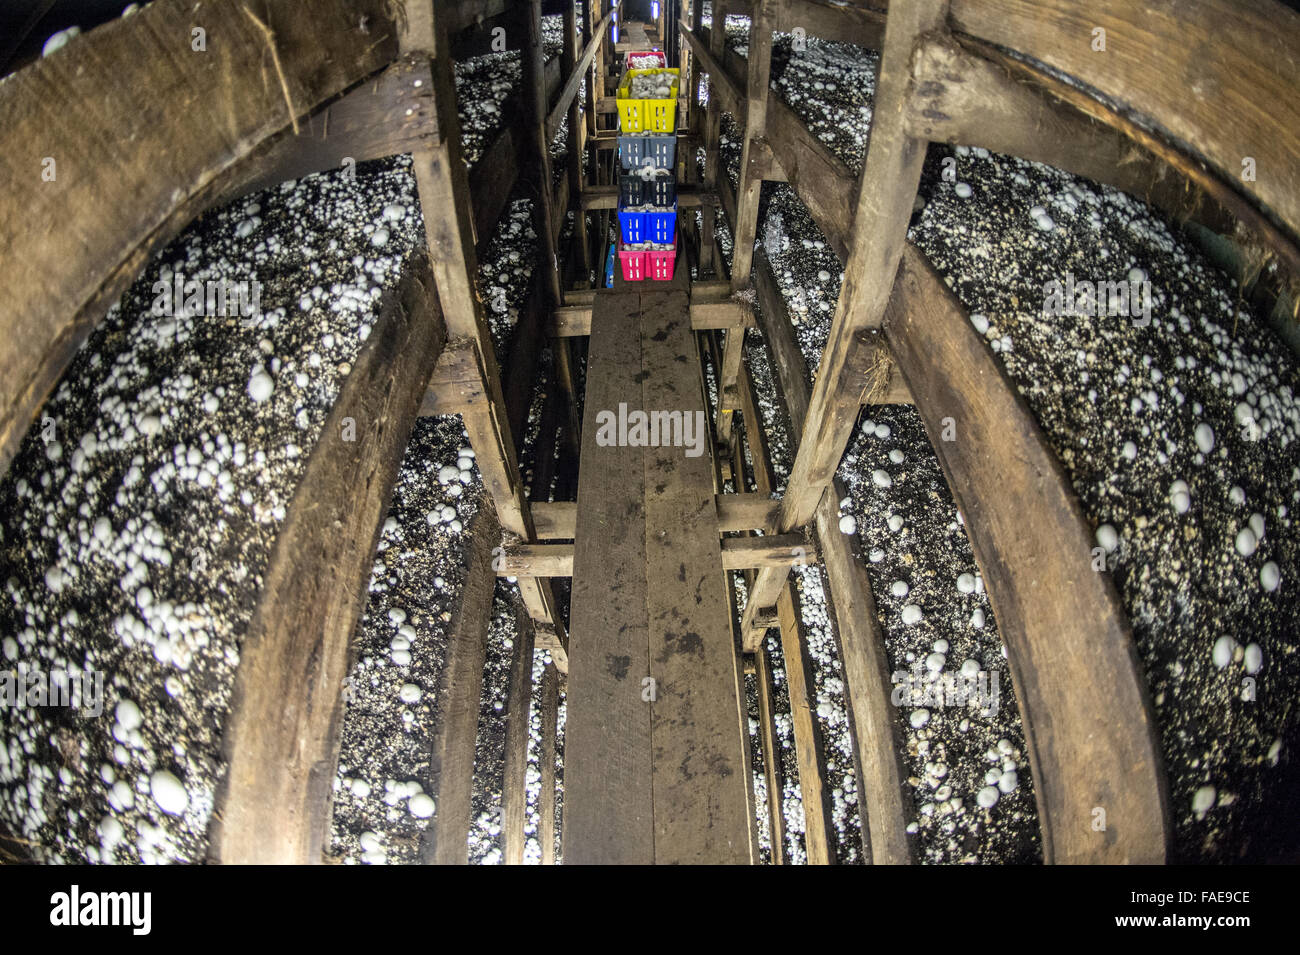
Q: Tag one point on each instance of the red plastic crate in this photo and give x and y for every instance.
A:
(661, 264)
(633, 263)
(658, 54)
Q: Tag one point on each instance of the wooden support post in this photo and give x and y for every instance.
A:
(451, 760)
(545, 214)
(878, 736)
(514, 789)
(772, 771)
(745, 225)
(546, 800)
(712, 126)
(281, 738)
(448, 226)
(886, 193)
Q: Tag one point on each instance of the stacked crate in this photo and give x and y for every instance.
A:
(647, 153)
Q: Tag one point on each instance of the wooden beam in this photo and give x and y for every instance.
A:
(105, 210)
(574, 80)
(557, 520)
(885, 196)
(389, 114)
(1241, 101)
(1088, 723)
(451, 758)
(738, 553)
(546, 799)
(449, 231)
(744, 226)
(546, 215)
(606, 197)
(772, 763)
(281, 740)
(960, 97)
(514, 787)
(575, 320)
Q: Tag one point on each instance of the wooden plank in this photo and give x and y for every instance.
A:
(702, 792)
(546, 800)
(1216, 77)
(608, 811)
(282, 732)
(1087, 720)
(514, 792)
(389, 114)
(877, 733)
(451, 758)
(171, 130)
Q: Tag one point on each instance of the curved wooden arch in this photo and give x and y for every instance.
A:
(1083, 700)
(144, 131)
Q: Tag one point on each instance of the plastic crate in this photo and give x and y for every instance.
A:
(632, 226)
(647, 115)
(660, 264)
(660, 57)
(633, 262)
(637, 152)
(659, 225)
(635, 191)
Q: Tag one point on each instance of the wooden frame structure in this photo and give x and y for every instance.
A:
(353, 82)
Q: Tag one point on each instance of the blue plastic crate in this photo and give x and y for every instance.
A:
(609, 267)
(661, 225)
(632, 225)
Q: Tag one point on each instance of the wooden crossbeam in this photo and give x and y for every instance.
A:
(557, 520)
(574, 320)
(1088, 723)
(738, 553)
(606, 197)
(281, 738)
(108, 208)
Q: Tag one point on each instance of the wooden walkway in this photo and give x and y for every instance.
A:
(656, 754)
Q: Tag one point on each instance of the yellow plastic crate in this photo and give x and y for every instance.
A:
(647, 115)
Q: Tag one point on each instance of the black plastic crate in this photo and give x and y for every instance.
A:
(636, 191)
